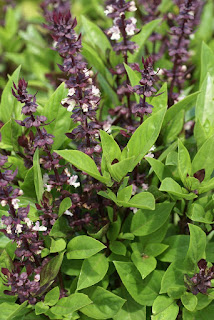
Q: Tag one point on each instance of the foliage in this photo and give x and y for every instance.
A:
(106, 174)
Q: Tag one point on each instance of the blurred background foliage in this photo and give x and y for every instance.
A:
(24, 41)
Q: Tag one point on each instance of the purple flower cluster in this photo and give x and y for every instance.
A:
(60, 5)
(122, 30)
(150, 7)
(83, 96)
(145, 88)
(201, 281)
(21, 230)
(184, 25)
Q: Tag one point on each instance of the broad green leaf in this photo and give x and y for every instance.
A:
(143, 292)
(161, 100)
(143, 200)
(58, 116)
(71, 267)
(60, 228)
(159, 168)
(207, 62)
(177, 248)
(10, 310)
(134, 78)
(174, 127)
(8, 101)
(144, 137)
(164, 308)
(145, 222)
(64, 205)
(51, 269)
(27, 186)
(141, 37)
(154, 249)
(119, 170)
(203, 158)
(95, 36)
(197, 213)
(93, 270)
(173, 279)
(9, 135)
(189, 301)
(83, 162)
(184, 162)
(205, 103)
(111, 150)
(118, 247)
(143, 263)
(105, 304)
(40, 308)
(124, 194)
(68, 305)
(38, 181)
(83, 247)
(52, 297)
(57, 245)
(131, 310)
(185, 104)
(197, 246)
(172, 187)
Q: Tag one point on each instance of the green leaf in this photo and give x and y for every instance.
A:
(160, 101)
(143, 200)
(119, 170)
(203, 158)
(184, 162)
(83, 247)
(58, 116)
(145, 222)
(159, 168)
(141, 38)
(57, 245)
(64, 205)
(118, 247)
(9, 135)
(95, 36)
(197, 213)
(177, 248)
(40, 308)
(189, 301)
(105, 304)
(205, 103)
(11, 310)
(185, 104)
(174, 127)
(52, 297)
(172, 187)
(60, 228)
(173, 279)
(51, 269)
(144, 263)
(131, 310)
(164, 308)
(144, 137)
(83, 162)
(197, 246)
(124, 194)
(207, 62)
(93, 270)
(38, 181)
(27, 186)
(68, 305)
(142, 291)
(111, 150)
(8, 101)
(134, 78)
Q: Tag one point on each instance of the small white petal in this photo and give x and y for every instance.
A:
(85, 107)
(3, 203)
(8, 230)
(71, 92)
(48, 187)
(18, 228)
(15, 203)
(45, 178)
(107, 127)
(109, 9)
(68, 213)
(72, 181)
(95, 91)
(37, 278)
(130, 29)
(132, 6)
